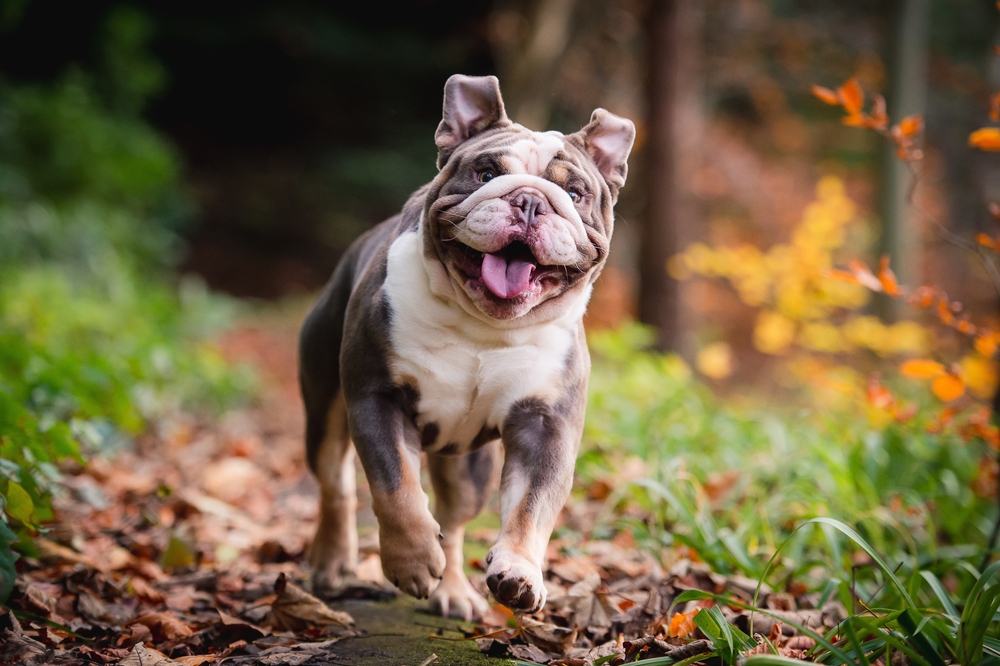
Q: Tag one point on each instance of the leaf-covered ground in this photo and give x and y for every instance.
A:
(189, 548)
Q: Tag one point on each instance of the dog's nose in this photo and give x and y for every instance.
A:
(528, 206)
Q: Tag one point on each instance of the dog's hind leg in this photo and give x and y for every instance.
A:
(335, 549)
(462, 484)
(328, 441)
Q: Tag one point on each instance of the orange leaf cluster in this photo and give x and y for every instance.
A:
(921, 297)
(979, 426)
(880, 397)
(851, 97)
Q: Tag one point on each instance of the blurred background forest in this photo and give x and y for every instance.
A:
(168, 167)
(260, 144)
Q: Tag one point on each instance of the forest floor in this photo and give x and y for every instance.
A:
(189, 547)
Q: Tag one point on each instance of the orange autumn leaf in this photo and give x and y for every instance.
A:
(878, 395)
(864, 275)
(965, 326)
(987, 344)
(986, 241)
(921, 368)
(911, 125)
(842, 276)
(922, 297)
(857, 120)
(987, 138)
(948, 387)
(681, 624)
(826, 95)
(944, 312)
(887, 278)
(851, 96)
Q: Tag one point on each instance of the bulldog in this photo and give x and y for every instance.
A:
(454, 329)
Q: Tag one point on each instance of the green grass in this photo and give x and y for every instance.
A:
(814, 488)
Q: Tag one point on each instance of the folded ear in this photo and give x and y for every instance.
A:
(472, 104)
(608, 138)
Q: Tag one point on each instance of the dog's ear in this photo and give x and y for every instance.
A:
(472, 104)
(608, 139)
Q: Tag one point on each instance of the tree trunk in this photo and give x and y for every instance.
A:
(527, 66)
(673, 131)
(900, 237)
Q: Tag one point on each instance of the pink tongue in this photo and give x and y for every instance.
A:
(503, 279)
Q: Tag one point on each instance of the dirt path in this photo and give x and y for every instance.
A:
(189, 548)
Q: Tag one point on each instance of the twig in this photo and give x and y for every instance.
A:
(429, 660)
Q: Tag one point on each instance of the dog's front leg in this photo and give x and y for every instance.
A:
(412, 558)
(540, 444)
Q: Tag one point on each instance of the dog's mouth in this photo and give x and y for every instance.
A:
(511, 272)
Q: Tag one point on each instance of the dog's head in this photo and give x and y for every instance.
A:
(517, 223)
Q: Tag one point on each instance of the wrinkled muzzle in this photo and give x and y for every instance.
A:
(523, 228)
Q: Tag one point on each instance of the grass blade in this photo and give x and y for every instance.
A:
(941, 594)
(856, 538)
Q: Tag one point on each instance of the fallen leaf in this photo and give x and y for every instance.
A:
(196, 660)
(143, 656)
(163, 626)
(548, 637)
(297, 610)
(681, 625)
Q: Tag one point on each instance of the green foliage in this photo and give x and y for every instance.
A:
(928, 634)
(94, 340)
(906, 491)
(902, 496)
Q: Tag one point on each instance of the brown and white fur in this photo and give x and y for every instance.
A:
(451, 329)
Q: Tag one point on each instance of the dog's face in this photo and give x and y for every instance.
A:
(520, 220)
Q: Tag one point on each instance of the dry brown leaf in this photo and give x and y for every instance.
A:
(548, 637)
(196, 660)
(144, 656)
(297, 610)
(163, 626)
(146, 592)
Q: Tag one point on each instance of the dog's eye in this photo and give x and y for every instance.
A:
(574, 196)
(486, 176)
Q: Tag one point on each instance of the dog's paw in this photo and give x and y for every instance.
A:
(328, 575)
(412, 559)
(455, 597)
(514, 581)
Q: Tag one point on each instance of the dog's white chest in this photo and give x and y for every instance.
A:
(468, 374)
